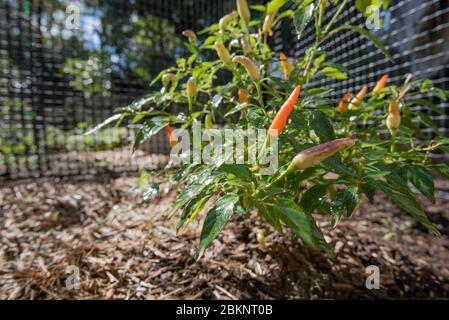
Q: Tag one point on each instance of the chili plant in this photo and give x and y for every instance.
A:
(330, 152)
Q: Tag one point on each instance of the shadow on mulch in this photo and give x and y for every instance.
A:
(126, 249)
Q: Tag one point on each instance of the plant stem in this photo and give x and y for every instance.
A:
(329, 25)
(393, 142)
(259, 95)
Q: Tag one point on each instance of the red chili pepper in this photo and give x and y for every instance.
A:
(381, 83)
(281, 118)
(170, 135)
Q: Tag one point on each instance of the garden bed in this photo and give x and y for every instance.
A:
(126, 249)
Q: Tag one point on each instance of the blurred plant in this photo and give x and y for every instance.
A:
(91, 76)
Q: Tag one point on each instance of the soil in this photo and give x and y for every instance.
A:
(127, 249)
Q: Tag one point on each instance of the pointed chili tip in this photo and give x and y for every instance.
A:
(381, 83)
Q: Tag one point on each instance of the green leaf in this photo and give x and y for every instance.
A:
(345, 201)
(367, 34)
(403, 198)
(333, 73)
(336, 165)
(421, 178)
(275, 5)
(194, 206)
(216, 220)
(301, 223)
(147, 130)
(104, 124)
(313, 197)
(427, 121)
(238, 170)
(269, 216)
(302, 17)
(187, 195)
(322, 126)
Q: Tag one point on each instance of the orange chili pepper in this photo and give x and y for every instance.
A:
(381, 83)
(242, 96)
(170, 135)
(343, 105)
(280, 120)
(359, 97)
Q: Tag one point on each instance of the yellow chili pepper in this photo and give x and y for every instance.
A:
(268, 22)
(191, 88)
(222, 53)
(167, 78)
(225, 21)
(250, 67)
(242, 8)
(394, 117)
(286, 66)
(191, 36)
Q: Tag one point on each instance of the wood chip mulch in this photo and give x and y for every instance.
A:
(126, 249)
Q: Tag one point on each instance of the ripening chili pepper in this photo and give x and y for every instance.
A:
(225, 21)
(242, 96)
(167, 78)
(268, 22)
(359, 97)
(280, 120)
(245, 46)
(394, 117)
(249, 88)
(286, 66)
(250, 67)
(191, 88)
(170, 135)
(314, 155)
(191, 36)
(222, 53)
(242, 8)
(381, 83)
(343, 105)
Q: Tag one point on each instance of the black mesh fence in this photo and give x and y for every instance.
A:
(57, 80)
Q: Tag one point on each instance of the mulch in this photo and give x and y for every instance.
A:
(127, 249)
